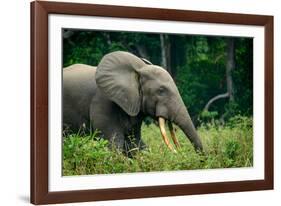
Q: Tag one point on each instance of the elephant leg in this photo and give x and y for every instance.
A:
(133, 141)
(138, 140)
(115, 138)
(130, 144)
(116, 141)
(104, 119)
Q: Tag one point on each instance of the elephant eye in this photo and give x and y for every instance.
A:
(161, 91)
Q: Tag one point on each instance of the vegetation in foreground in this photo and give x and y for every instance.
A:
(227, 146)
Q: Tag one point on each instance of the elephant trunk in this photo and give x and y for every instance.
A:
(184, 121)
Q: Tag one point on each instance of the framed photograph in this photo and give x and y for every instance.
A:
(131, 102)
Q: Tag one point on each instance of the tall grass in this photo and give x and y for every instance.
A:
(225, 146)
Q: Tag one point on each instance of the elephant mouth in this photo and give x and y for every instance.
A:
(164, 134)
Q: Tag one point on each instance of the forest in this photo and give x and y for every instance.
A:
(214, 75)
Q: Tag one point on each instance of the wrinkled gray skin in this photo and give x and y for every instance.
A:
(117, 95)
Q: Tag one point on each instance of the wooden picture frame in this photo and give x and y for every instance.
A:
(40, 193)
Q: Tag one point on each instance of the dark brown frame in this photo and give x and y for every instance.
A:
(39, 102)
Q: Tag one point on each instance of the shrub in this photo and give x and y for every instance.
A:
(225, 146)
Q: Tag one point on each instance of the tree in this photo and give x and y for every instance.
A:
(165, 52)
(230, 64)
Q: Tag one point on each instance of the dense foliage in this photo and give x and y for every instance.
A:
(197, 64)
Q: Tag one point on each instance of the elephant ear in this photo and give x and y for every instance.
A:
(117, 77)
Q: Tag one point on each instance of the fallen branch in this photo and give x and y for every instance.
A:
(220, 96)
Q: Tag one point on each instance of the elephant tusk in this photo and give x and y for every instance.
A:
(163, 133)
(173, 135)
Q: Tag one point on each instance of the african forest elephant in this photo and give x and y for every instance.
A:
(118, 94)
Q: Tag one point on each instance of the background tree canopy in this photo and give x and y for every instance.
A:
(214, 74)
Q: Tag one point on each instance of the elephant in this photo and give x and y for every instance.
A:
(118, 94)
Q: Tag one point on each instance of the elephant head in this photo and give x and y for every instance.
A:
(137, 86)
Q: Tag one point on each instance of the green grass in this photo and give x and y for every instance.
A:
(225, 146)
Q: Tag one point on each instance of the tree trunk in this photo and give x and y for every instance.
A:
(165, 52)
(142, 52)
(230, 64)
(107, 37)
